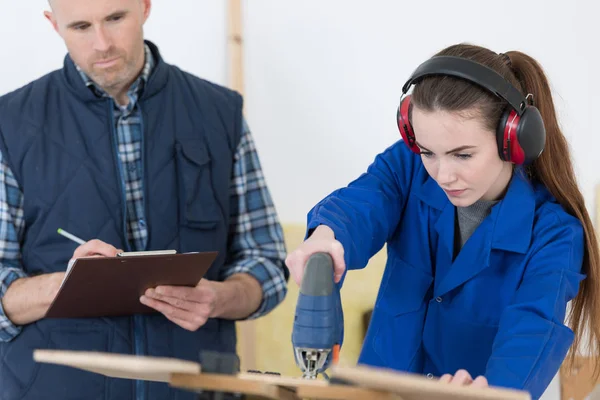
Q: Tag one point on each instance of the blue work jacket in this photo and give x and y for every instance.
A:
(497, 309)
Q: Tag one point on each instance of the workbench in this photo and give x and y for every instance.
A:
(351, 383)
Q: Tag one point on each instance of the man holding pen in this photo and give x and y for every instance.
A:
(127, 153)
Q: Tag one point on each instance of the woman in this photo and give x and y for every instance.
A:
(487, 239)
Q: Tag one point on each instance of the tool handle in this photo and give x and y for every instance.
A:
(318, 276)
(318, 321)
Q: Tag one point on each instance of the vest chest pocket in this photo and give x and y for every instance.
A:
(198, 207)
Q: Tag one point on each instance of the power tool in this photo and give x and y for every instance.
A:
(318, 329)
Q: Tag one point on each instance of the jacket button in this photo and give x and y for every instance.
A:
(438, 299)
(430, 376)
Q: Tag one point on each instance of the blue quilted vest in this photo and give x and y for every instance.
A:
(59, 140)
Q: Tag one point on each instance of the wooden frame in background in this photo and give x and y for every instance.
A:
(246, 330)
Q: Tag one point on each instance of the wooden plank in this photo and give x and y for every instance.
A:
(231, 384)
(341, 392)
(416, 387)
(372, 383)
(125, 366)
(285, 381)
(303, 388)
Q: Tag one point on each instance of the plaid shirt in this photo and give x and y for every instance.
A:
(256, 244)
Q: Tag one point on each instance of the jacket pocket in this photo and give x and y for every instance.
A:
(198, 207)
(405, 289)
(467, 344)
(401, 314)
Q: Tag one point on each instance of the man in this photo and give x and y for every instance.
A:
(122, 147)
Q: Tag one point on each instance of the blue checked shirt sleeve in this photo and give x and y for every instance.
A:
(11, 230)
(256, 245)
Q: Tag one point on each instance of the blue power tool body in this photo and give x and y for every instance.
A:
(318, 329)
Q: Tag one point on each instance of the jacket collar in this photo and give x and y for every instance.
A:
(509, 227)
(511, 218)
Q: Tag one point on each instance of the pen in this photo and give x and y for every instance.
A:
(70, 236)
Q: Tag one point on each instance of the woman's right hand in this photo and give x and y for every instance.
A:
(322, 240)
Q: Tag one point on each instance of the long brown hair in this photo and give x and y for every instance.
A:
(553, 168)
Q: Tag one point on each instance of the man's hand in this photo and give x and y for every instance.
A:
(188, 307)
(96, 248)
(463, 378)
(235, 298)
(27, 299)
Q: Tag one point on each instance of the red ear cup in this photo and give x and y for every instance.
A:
(521, 139)
(406, 130)
(509, 148)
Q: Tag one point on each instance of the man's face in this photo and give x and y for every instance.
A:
(104, 37)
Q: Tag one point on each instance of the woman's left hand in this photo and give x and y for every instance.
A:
(463, 378)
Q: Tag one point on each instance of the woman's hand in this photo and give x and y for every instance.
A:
(322, 240)
(463, 378)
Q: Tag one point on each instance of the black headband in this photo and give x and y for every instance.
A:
(473, 72)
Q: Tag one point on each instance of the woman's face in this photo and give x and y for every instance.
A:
(461, 155)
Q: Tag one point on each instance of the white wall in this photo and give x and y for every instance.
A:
(323, 78)
(193, 36)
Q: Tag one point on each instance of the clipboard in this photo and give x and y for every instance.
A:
(112, 286)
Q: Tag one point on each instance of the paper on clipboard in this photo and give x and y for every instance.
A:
(69, 266)
(124, 254)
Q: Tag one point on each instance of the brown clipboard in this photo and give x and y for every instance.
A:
(112, 286)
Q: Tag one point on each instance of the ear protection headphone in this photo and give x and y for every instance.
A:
(520, 135)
